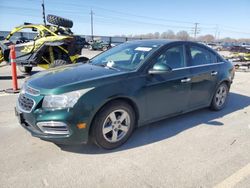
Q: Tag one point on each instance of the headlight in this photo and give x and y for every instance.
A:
(66, 100)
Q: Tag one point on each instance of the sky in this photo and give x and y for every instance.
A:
(221, 18)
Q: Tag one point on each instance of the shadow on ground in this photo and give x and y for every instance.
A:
(22, 76)
(10, 77)
(170, 127)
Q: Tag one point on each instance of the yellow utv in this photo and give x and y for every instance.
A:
(51, 45)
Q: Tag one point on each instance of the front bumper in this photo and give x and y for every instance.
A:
(74, 135)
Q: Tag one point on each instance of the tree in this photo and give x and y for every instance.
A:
(149, 35)
(228, 39)
(182, 35)
(207, 38)
(156, 35)
(168, 35)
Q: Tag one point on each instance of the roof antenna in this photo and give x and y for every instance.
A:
(43, 9)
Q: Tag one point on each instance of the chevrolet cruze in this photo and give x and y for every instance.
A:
(130, 85)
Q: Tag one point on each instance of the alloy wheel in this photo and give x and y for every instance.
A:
(221, 95)
(116, 126)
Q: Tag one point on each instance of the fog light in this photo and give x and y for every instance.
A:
(53, 127)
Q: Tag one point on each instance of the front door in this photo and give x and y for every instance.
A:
(168, 93)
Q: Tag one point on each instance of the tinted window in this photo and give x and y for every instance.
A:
(172, 57)
(201, 56)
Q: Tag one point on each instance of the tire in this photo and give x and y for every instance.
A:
(82, 60)
(220, 97)
(108, 133)
(104, 48)
(56, 20)
(24, 69)
(90, 47)
(58, 62)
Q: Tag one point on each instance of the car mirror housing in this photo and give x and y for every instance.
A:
(159, 69)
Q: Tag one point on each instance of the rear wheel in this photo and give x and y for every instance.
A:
(58, 62)
(113, 125)
(25, 69)
(220, 97)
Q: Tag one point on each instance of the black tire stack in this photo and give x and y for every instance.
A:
(56, 20)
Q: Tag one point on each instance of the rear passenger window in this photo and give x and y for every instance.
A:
(201, 56)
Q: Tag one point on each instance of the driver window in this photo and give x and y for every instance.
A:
(172, 57)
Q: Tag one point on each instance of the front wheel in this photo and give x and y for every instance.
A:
(25, 69)
(104, 48)
(220, 97)
(58, 62)
(113, 125)
(90, 47)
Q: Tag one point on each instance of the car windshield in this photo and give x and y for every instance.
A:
(127, 57)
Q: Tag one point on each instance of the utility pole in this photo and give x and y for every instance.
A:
(216, 32)
(43, 9)
(92, 25)
(195, 30)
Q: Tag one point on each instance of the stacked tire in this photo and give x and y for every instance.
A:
(56, 20)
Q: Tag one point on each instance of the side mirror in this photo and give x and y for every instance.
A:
(160, 69)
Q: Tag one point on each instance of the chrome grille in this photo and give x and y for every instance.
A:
(26, 104)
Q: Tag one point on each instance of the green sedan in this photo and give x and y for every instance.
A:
(130, 85)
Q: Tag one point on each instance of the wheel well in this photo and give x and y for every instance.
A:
(227, 82)
(127, 100)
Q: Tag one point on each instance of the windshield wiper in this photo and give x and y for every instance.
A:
(106, 66)
(113, 68)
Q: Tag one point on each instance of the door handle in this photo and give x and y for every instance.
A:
(214, 73)
(185, 80)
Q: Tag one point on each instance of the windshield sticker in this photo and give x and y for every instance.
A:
(110, 63)
(144, 49)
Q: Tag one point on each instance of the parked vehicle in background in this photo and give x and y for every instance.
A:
(130, 85)
(238, 48)
(50, 45)
(215, 46)
(99, 45)
(81, 41)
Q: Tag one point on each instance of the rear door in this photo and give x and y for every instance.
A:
(204, 75)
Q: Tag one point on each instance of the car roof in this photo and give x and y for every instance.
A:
(161, 42)
(153, 41)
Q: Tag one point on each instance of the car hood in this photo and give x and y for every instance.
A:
(69, 75)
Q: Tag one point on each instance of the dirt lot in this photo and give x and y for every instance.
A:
(198, 149)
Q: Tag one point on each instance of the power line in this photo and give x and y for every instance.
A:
(79, 13)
